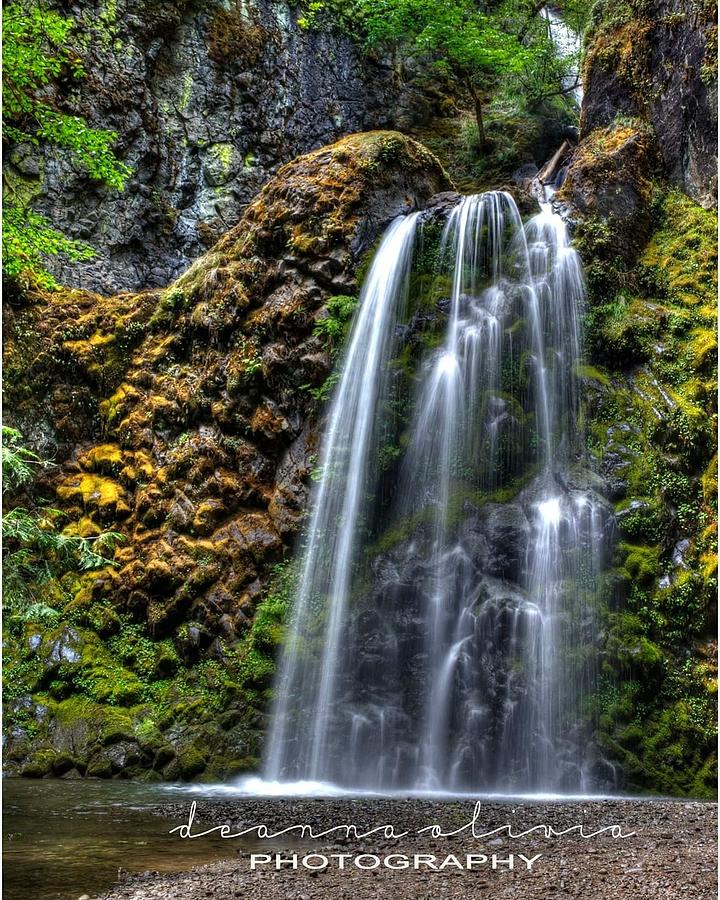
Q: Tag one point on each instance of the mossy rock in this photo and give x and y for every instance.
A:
(99, 766)
(223, 768)
(608, 188)
(189, 763)
(39, 765)
(650, 422)
(163, 755)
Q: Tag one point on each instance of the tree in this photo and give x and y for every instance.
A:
(36, 553)
(481, 47)
(576, 14)
(37, 51)
(548, 73)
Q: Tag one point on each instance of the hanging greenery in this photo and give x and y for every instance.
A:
(39, 47)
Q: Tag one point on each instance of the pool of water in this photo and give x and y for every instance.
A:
(62, 839)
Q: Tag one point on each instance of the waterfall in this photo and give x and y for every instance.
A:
(567, 44)
(336, 516)
(442, 633)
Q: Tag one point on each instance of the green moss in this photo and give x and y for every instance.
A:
(268, 625)
(148, 735)
(186, 93)
(651, 325)
(257, 656)
(304, 243)
(683, 251)
(106, 458)
(592, 373)
(190, 762)
(39, 764)
(258, 667)
(641, 563)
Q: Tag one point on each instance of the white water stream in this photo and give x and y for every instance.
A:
(457, 656)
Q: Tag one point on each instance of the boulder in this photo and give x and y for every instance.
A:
(194, 440)
(507, 532)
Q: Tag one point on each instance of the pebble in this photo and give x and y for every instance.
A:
(599, 868)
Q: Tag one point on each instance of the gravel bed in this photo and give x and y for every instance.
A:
(672, 854)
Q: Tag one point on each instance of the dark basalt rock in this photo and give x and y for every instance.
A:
(507, 532)
(439, 207)
(657, 62)
(208, 101)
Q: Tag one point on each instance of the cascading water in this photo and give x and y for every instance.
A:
(442, 632)
(308, 684)
(567, 43)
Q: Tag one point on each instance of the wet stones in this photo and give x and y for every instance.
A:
(507, 532)
(66, 648)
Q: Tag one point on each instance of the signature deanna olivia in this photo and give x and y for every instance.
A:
(471, 828)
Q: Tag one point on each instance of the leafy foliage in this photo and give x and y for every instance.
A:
(577, 14)
(478, 46)
(17, 461)
(334, 326)
(37, 51)
(36, 553)
(28, 238)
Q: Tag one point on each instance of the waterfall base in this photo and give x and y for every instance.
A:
(253, 786)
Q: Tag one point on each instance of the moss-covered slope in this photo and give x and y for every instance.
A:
(648, 128)
(185, 420)
(651, 418)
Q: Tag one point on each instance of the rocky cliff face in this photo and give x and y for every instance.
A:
(656, 60)
(185, 419)
(649, 128)
(208, 100)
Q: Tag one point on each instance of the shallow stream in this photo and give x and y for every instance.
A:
(63, 839)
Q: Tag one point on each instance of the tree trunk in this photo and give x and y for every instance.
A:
(478, 113)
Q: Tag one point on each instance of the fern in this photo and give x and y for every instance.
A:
(36, 552)
(17, 461)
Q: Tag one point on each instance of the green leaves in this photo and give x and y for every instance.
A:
(501, 51)
(459, 31)
(334, 326)
(28, 238)
(91, 147)
(38, 50)
(17, 461)
(34, 51)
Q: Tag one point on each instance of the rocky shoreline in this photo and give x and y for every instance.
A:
(671, 853)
